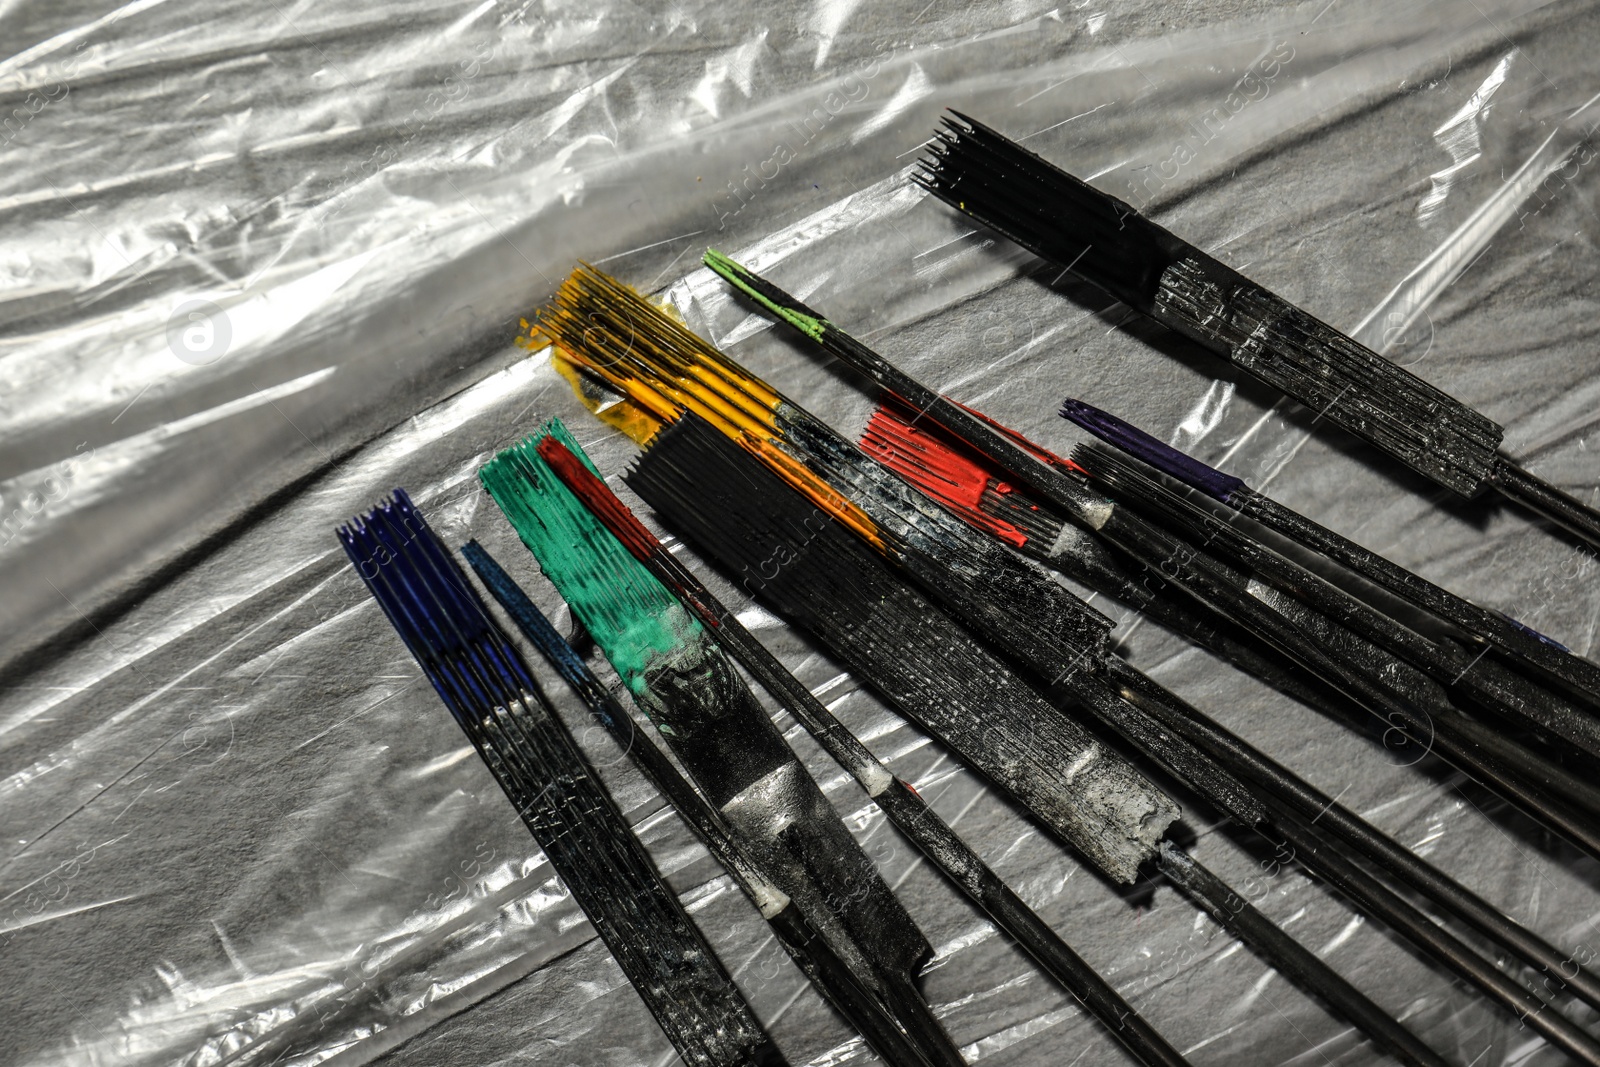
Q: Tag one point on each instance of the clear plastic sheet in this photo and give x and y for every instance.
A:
(266, 262)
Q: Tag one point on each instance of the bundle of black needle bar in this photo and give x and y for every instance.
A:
(491, 693)
(1107, 243)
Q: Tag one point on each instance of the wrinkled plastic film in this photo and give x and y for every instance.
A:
(238, 826)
